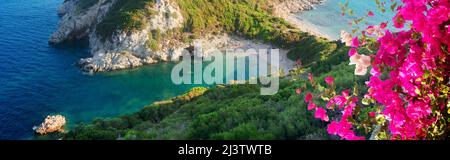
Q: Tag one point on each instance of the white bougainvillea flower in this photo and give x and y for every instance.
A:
(362, 62)
(360, 59)
(346, 38)
(360, 70)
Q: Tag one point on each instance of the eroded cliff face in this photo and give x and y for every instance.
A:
(76, 22)
(130, 49)
(125, 49)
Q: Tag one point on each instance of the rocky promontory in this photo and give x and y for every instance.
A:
(125, 34)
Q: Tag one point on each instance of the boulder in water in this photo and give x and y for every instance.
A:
(51, 124)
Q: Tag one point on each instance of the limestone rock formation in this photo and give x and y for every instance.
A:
(76, 23)
(51, 124)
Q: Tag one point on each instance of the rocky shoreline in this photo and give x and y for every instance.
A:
(129, 50)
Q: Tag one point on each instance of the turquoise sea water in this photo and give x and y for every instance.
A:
(327, 17)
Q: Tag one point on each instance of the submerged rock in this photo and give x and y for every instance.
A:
(51, 124)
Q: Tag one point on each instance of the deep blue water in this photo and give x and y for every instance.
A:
(37, 79)
(327, 17)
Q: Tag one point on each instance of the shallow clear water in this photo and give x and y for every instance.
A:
(37, 79)
(327, 17)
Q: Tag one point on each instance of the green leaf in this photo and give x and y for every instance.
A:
(355, 89)
(432, 97)
(350, 12)
(426, 74)
(320, 88)
(417, 91)
(366, 101)
(325, 98)
(393, 6)
(380, 119)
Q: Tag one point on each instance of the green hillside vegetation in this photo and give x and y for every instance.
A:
(127, 16)
(229, 112)
(83, 5)
(249, 18)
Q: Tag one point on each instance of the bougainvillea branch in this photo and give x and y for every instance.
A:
(409, 75)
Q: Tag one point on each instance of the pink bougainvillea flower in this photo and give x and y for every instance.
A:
(372, 114)
(298, 91)
(355, 42)
(311, 106)
(370, 30)
(383, 25)
(310, 78)
(374, 72)
(399, 21)
(345, 93)
(329, 80)
(352, 52)
(370, 14)
(321, 114)
(333, 128)
(308, 97)
(343, 128)
(355, 138)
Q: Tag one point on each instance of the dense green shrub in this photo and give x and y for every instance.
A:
(312, 49)
(250, 18)
(126, 16)
(83, 5)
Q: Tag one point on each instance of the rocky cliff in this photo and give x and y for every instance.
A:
(284, 8)
(156, 38)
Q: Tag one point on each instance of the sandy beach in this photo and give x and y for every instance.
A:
(305, 27)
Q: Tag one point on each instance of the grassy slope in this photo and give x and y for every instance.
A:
(125, 15)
